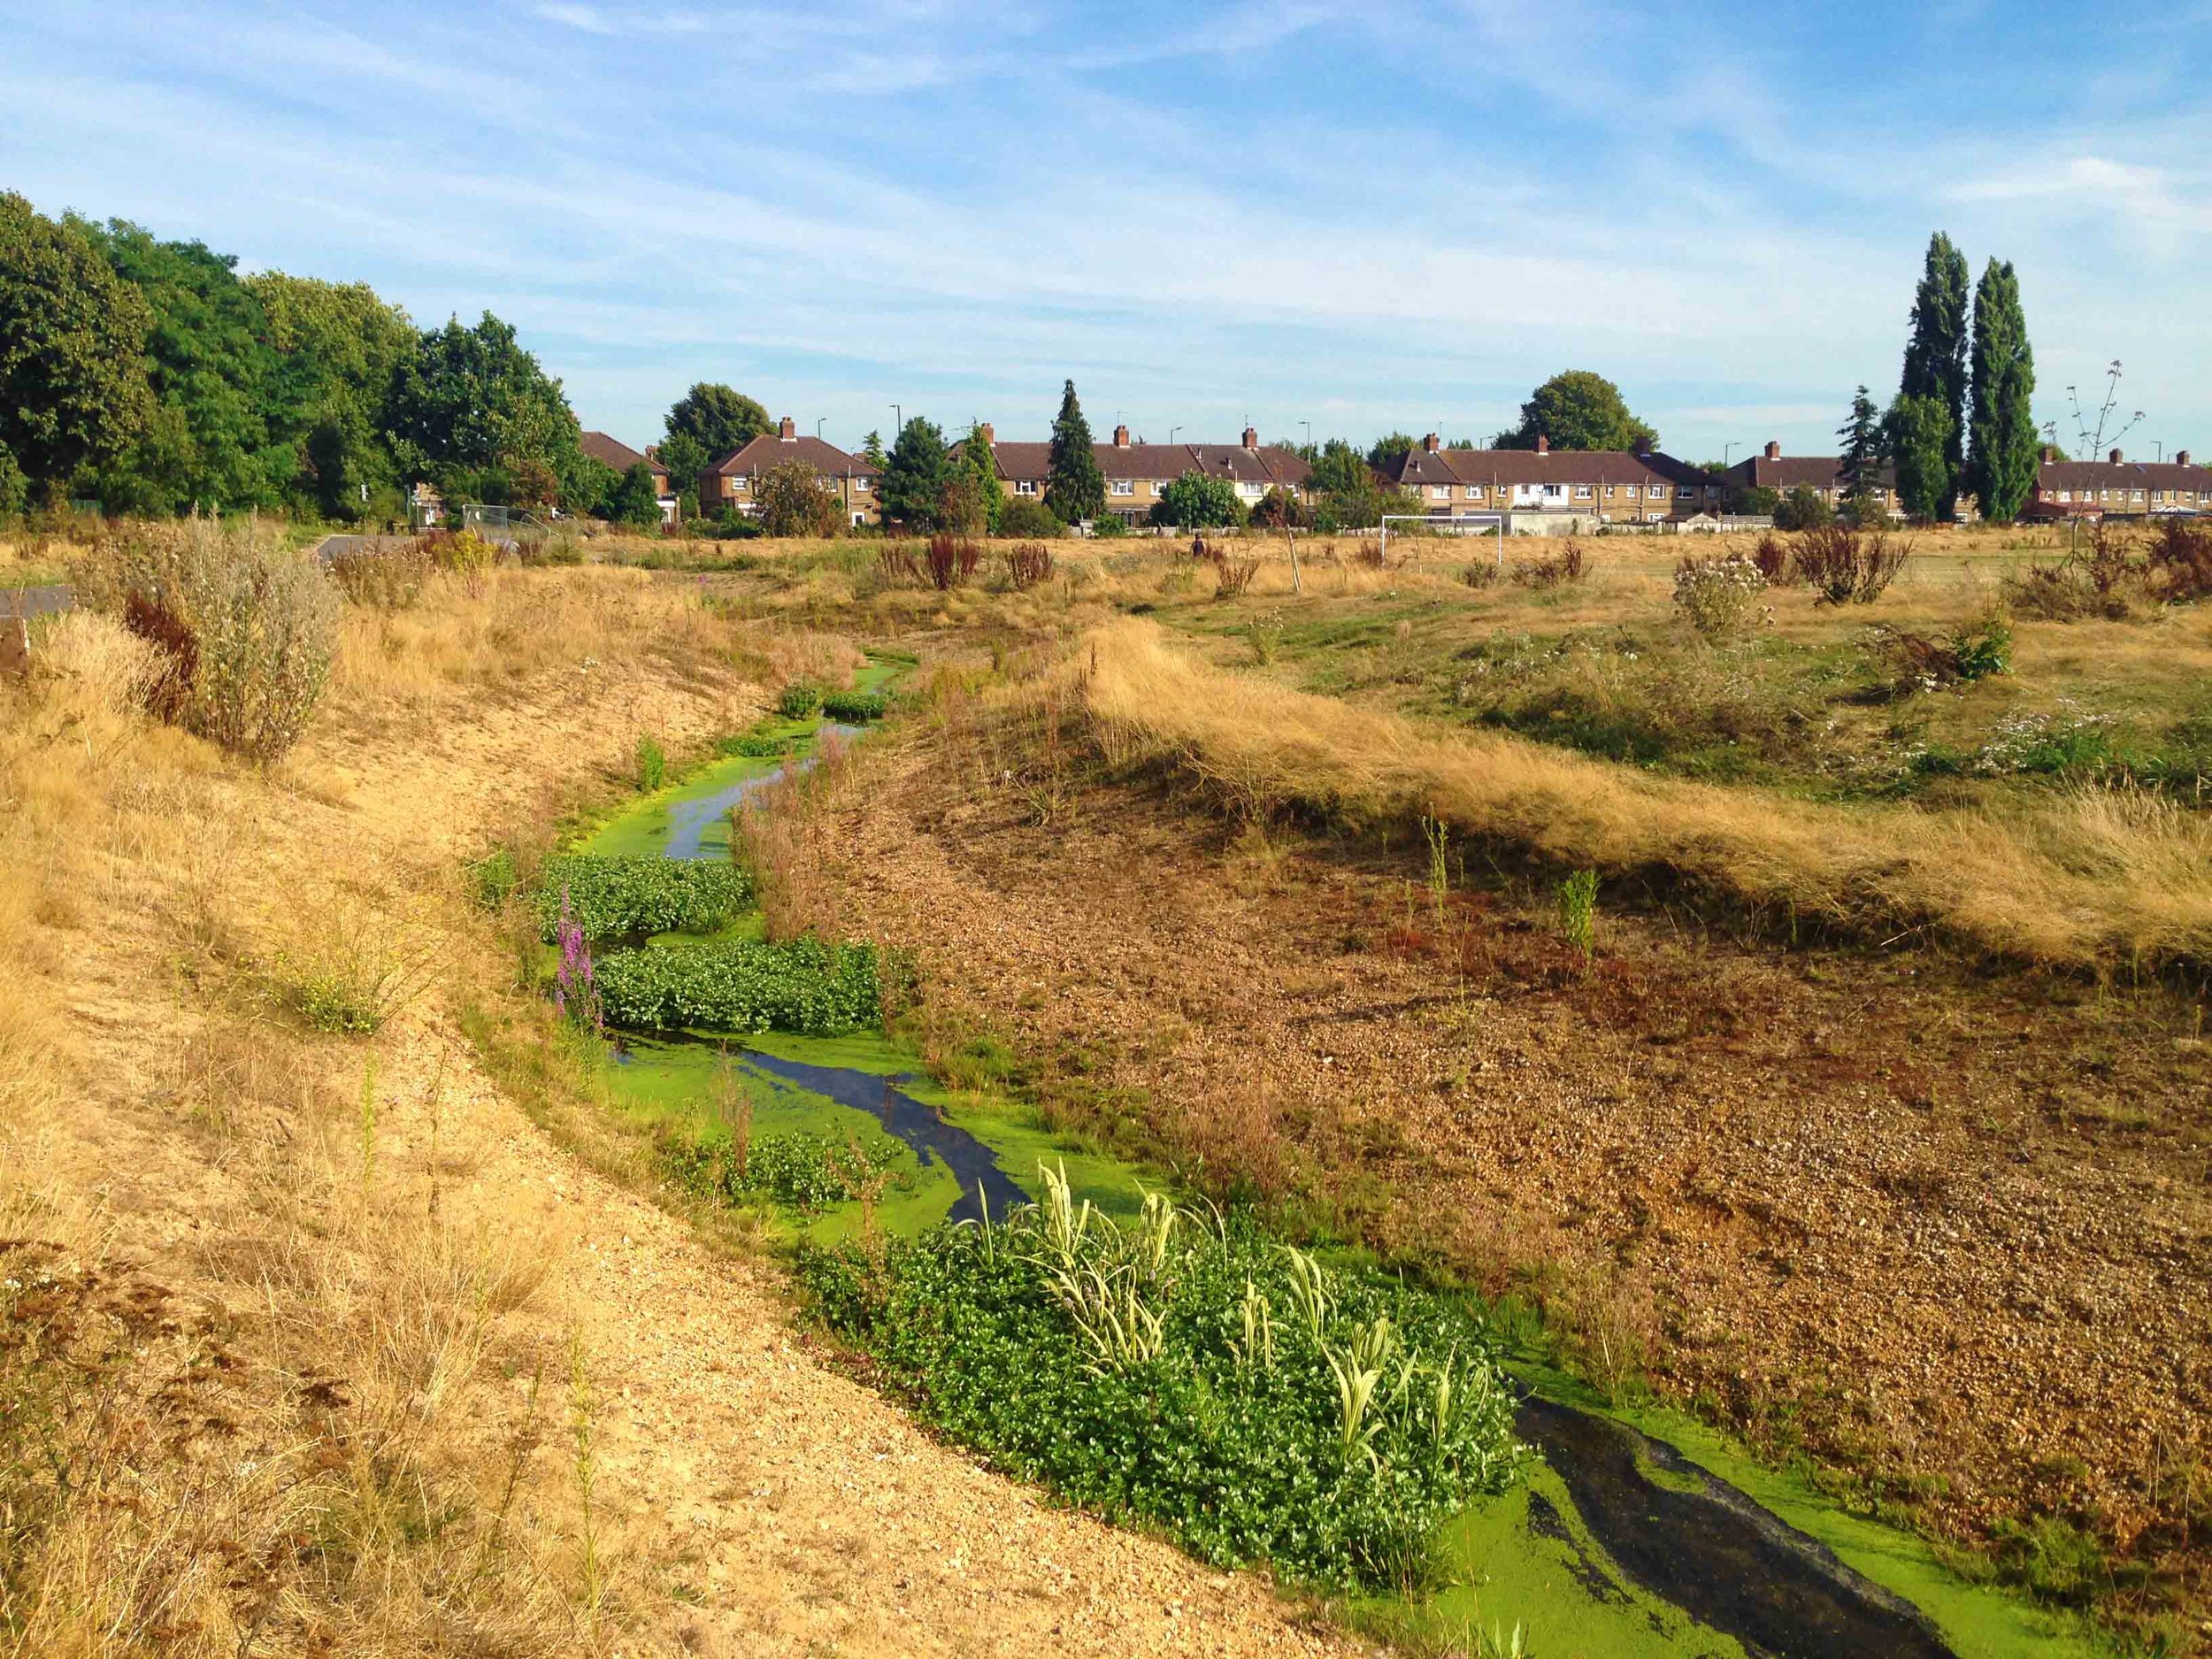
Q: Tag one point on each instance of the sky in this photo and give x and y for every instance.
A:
(1324, 219)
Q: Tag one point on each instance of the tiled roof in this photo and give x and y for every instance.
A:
(1798, 472)
(1420, 467)
(768, 452)
(1270, 464)
(617, 454)
(2126, 475)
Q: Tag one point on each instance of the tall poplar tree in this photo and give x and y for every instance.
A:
(1934, 372)
(2001, 441)
(1075, 489)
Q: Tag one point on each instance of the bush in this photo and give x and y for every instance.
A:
(807, 1172)
(1720, 597)
(1840, 564)
(1772, 556)
(804, 985)
(951, 561)
(2181, 559)
(245, 628)
(1802, 509)
(1028, 563)
(1189, 1373)
(15, 489)
(793, 502)
(1570, 566)
(1198, 501)
(1027, 516)
(799, 700)
(615, 897)
(855, 708)
(652, 764)
(757, 746)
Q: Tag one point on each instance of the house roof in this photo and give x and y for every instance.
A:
(2125, 475)
(617, 454)
(1797, 472)
(1270, 464)
(1419, 467)
(768, 452)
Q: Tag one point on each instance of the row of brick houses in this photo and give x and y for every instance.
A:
(1536, 488)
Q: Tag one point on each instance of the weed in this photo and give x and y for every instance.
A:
(1842, 565)
(1232, 576)
(951, 561)
(1436, 838)
(855, 708)
(611, 896)
(1029, 564)
(652, 764)
(799, 700)
(1576, 900)
(1771, 555)
(1720, 597)
(1570, 566)
(741, 985)
(584, 1464)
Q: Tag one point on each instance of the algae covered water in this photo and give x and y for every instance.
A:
(1635, 1532)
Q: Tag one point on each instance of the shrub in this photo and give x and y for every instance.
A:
(1974, 651)
(246, 629)
(1278, 509)
(1481, 573)
(855, 708)
(896, 563)
(1570, 566)
(611, 896)
(1199, 501)
(652, 764)
(950, 561)
(799, 699)
(1188, 1372)
(1232, 576)
(755, 746)
(1719, 595)
(1802, 509)
(793, 502)
(1028, 563)
(1842, 565)
(1772, 556)
(1028, 516)
(2181, 559)
(804, 985)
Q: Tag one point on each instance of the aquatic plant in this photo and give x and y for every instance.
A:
(806, 1172)
(855, 708)
(798, 700)
(1138, 1371)
(652, 764)
(743, 985)
(617, 896)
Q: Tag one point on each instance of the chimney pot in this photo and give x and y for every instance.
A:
(787, 429)
(1643, 445)
(988, 432)
(1429, 443)
(2181, 458)
(1251, 438)
(1543, 444)
(2050, 454)
(1774, 450)
(1121, 437)
(2115, 458)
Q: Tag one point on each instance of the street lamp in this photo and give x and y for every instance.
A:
(1171, 431)
(898, 421)
(1308, 424)
(818, 419)
(1724, 449)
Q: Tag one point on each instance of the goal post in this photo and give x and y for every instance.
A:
(1466, 524)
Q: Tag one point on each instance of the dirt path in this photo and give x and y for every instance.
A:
(751, 1500)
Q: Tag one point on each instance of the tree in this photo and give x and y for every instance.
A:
(1278, 509)
(683, 457)
(471, 403)
(795, 501)
(2001, 443)
(981, 467)
(872, 450)
(721, 419)
(1802, 509)
(73, 391)
(591, 488)
(1577, 411)
(1075, 489)
(15, 489)
(337, 346)
(1759, 498)
(1389, 447)
(1027, 516)
(636, 499)
(1861, 465)
(1922, 440)
(1197, 501)
(1935, 369)
(915, 475)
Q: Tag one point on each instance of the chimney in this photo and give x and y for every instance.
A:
(988, 432)
(1774, 450)
(787, 429)
(2050, 454)
(1543, 444)
(1643, 445)
(2181, 458)
(1121, 437)
(1429, 443)
(2114, 458)
(1251, 438)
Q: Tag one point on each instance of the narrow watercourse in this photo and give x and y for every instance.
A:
(1635, 1531)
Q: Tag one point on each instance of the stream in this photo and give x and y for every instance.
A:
(1624, 1542)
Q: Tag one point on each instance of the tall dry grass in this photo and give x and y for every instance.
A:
(2095, 880)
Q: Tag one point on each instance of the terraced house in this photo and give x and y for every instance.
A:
(735, 481)
(1584, 488)
(1822, 474)
(2118, 487)
(1137, 473)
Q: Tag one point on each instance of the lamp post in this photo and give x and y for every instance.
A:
(1724, 449)
(1308, 424)
(897, 421)
(818, 419)
(1171, 431)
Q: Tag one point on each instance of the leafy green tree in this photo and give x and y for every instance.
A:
(915, 475)
(1577, 411)
(1075, 489)
(1340, 470)
(591, 488)
(338, 346)
(871, 450)
(1935, 369)
(1922, 440)
(1197, 501)
(1345, 491)
(1861, 465)
(1279, 510)
(1389, 447)
(684, 458)
(1027, 516)
(1758, 498)
(1802, 509)
(636, 499)
(2002, 445)
(208, 357)
(977, 460)
(721, 419)
(74, 392)
(793, 502)
(15, 489)
(469, 404)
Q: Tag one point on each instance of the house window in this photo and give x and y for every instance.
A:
(1657, 492)
(1025, 487)
(1554, 492)
(1687, 492)
(1608, 492)
(1125, 486)
(1582, 492)
(860, 487)
(2066, 494)
(2138, 495)
(1159, 486)
(1474, 492)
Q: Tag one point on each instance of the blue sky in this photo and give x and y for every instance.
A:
(1362, 217)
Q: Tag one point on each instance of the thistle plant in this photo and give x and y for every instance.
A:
(575, 992)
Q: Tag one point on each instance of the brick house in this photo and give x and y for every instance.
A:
(622, 458)
(734, 482)
(1600, 487)
(2118, 487)
(1137, 474)
(1822, 474)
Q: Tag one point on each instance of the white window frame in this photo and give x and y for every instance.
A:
(1582, 492)
(1474, 492)
(1025, 486)
(1124, 486)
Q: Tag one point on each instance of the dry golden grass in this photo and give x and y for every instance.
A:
(2097, 880)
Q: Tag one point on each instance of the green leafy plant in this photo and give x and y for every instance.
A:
(742, 985)
(855, 708)
(1140, 1371)
(1720, 597)
(757, 746)
(652, 764)
(614, 896)
(805, 1172)
(1577, 902)
(798, 700)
